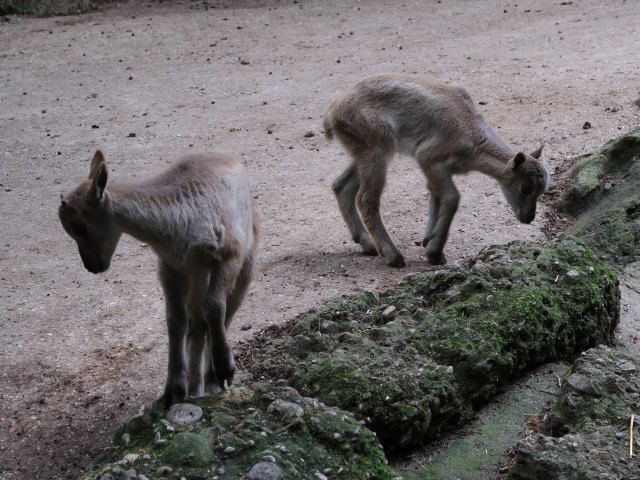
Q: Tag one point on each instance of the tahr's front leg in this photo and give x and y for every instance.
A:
(173, 285)
(445, 199)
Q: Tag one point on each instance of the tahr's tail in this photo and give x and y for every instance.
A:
(327, 123)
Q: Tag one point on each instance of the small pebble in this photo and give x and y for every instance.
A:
(184, 413)
(388, 311)
(164, 470)
(158, 440)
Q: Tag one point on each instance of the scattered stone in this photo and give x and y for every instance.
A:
(130, 458)
(628, 366)
(289, 410)
(265, 471)
(388, 311)
(582, 384)
(158, 440)
(184, 413)
(586, 126)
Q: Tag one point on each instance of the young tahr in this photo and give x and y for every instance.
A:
(441, 128)
(198, 217)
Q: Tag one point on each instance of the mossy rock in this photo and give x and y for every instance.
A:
(612, 225)
(189, 448)
(596, 177)
(248, 433)
(418, 358)
(586, 433)
(606, 201)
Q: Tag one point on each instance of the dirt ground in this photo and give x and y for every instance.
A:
(147, 82)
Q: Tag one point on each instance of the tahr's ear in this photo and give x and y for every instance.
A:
(97, 161)
(98, 175)
(537, 153)
(518, 160)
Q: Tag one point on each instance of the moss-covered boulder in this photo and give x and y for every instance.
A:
(587, 432)
(593, 177)
(259, 433)
(419, 357)
(604, 195)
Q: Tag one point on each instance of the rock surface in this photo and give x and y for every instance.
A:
(456, 337)
(586, 435)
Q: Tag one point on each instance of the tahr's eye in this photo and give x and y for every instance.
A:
(80, 230)
(526, 189)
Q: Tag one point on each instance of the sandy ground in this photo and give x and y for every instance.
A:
(148, 82)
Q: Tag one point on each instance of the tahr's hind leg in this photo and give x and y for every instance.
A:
(174, 286)
(345, 188)
(222, 280)
(234, 299)
(196, 333)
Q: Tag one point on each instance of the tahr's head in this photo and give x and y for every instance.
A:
(525, 181)
(86, 219)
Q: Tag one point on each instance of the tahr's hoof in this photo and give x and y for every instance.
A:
(436, 258)
(397, 262)
(225, 371)
(171, 397)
